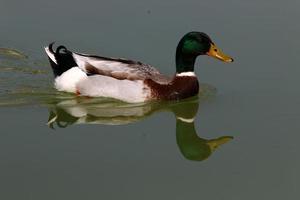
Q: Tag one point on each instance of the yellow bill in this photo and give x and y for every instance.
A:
(215, 52)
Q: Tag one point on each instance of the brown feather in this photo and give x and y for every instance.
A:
(179, 88)
(90, 69)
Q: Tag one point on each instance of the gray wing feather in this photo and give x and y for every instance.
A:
(115, 67)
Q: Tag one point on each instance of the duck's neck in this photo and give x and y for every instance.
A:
(184, 62)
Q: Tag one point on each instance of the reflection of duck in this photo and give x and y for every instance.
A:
(192, 146)
(68, 112)
(128, 80)
(97, 111)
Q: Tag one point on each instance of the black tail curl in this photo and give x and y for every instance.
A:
(64, 59)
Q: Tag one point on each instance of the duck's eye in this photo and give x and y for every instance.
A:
(215, 50)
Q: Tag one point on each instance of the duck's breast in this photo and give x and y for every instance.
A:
(179, 88)
(68, 80)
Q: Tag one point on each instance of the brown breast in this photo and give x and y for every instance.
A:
(179, 88)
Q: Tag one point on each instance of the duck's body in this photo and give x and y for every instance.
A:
(122, 79)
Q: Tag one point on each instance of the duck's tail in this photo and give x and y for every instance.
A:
(61, 60)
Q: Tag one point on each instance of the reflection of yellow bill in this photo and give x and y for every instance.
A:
(215, 52)
(215, 143)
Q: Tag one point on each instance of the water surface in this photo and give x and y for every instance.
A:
(242, 144)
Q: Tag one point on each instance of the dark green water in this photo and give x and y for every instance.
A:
(57, 146)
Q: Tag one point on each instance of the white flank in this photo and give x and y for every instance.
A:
(51, 56)
(188, 120)
(104, 86)
(186, 74)
(68, 81)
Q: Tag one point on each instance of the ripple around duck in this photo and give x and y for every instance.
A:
(22, 70)
(20, 93)
(12, 53)
(22, 80)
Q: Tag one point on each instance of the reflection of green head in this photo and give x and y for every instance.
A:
(193, 147)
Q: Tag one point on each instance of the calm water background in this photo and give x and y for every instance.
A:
(257, 102)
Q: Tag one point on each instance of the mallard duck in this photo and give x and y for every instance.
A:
(131, 81)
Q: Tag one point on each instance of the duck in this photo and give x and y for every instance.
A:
(131, 81)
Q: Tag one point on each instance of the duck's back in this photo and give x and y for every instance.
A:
(116, 67)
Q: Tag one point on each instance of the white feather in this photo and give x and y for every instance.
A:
(69, 79)
(104, 86)
(186, 74)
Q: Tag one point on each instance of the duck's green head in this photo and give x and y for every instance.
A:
(191, 46)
